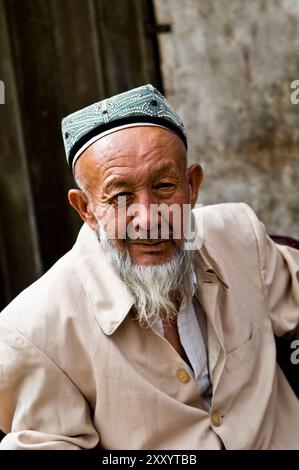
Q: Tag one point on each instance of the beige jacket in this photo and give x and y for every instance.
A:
(77, 371)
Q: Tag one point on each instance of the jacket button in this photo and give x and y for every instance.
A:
(183, 375)
(216, 419)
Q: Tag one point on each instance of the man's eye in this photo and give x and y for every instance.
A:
(164, 186)
(124, 196)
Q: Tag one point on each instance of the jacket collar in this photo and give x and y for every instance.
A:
(108, 295)
(109, 298)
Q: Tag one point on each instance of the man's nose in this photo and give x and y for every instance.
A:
(144, 217)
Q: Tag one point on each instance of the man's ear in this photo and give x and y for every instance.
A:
(195, 176)
(79, 201)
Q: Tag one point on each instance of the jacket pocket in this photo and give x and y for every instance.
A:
(244, 353)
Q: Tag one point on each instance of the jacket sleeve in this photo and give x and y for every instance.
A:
(40, 407)
(279, 268)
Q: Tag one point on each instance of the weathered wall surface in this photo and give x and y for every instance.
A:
(227, 68)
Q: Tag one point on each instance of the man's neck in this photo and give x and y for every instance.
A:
(170, 329)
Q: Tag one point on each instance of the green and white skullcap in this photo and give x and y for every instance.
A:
(142, 106)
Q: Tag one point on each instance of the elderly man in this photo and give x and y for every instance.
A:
(140, 340)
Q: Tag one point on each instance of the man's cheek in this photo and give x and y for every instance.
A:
(119, 225)
(107, 219)
(172, 223)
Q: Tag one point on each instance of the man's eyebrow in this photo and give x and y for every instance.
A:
(117, 183)
(163, 167)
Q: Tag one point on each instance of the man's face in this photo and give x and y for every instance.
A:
(144, 166)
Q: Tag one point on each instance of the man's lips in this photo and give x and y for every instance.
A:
(148, 242)
(150, 246)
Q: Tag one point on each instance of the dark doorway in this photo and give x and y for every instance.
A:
(56, 57)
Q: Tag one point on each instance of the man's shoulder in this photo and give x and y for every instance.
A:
(228, 220)
(46, 302)
(230, 232)
(227, 212)
(58, 277)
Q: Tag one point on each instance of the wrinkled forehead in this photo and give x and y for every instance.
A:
(132, 150)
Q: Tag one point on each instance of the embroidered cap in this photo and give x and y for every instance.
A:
(142, 106)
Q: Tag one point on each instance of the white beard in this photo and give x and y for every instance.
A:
(153, 287)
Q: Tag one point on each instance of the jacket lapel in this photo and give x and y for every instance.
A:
(209, 289)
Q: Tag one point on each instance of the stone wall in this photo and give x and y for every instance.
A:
(227, 67)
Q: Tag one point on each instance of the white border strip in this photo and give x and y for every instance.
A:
(110, 131)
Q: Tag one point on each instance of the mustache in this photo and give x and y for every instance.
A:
(152, 236)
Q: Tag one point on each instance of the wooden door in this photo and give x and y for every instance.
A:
(56, 56)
